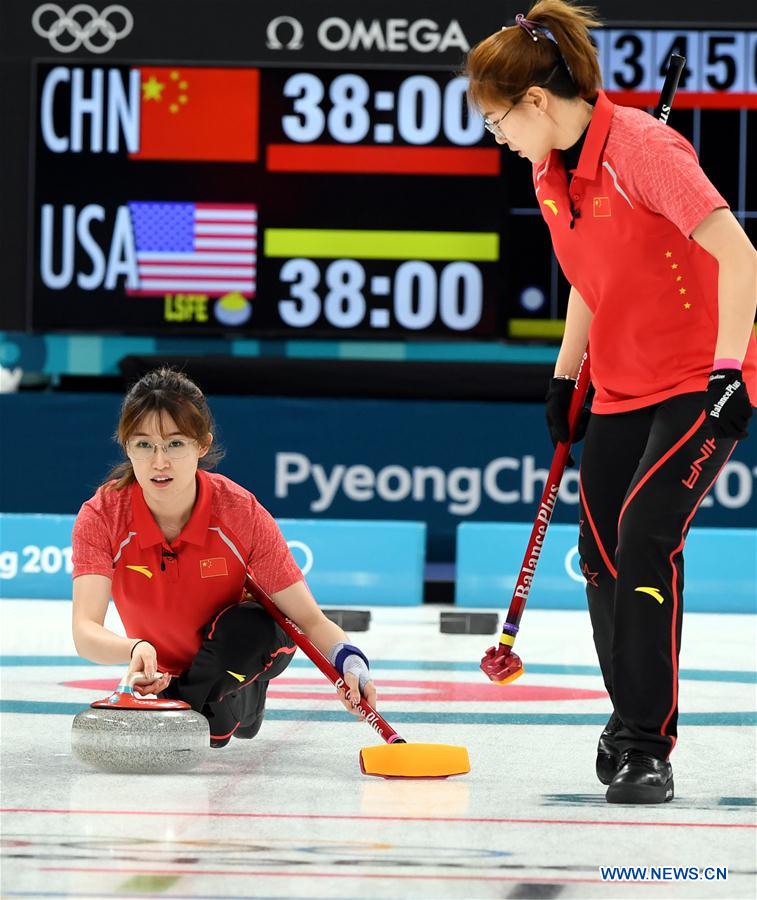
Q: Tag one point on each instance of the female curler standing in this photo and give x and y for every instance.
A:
(663, 289)
(172, 542)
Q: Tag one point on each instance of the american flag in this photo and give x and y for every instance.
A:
(195, 248)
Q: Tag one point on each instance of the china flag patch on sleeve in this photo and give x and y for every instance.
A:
(209, 568)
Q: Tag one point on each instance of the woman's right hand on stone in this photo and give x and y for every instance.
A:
(144, 658)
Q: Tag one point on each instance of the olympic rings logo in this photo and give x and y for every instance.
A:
(82, 32)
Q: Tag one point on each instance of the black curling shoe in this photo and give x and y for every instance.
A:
(247, 732)
(253, 699)
(641, 778)
(608, 754)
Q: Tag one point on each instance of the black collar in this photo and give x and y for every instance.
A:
(571, 156)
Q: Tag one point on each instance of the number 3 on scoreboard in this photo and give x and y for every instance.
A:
(304, 276)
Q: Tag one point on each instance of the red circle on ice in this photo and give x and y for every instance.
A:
(406, 691)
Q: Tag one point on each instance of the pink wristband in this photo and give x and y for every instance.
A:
(726, 364)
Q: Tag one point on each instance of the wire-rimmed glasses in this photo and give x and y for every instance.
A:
(176, 448)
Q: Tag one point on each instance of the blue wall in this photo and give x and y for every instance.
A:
(382, 563)
(369, 563)
(335, 459)
(489, 557)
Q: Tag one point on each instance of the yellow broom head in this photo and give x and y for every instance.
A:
(401, 760)
(512, 676)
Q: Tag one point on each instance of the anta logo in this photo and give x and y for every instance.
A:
(653, 592)
(210, 568)
(550, 204)
(601, 207)
(236, 675)
(143, 570)
(705, 451)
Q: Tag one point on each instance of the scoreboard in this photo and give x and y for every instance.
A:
(325, 200)
(717, 63)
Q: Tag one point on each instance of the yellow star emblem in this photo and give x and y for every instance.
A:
(679, 277)
(152, 89)
(681, 290)
(674, 266)
(687, 306)
(668, 254)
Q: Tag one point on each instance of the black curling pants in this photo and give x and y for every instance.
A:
(643, 475)
(242, 650)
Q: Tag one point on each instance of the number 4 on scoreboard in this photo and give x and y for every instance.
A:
(678, 44)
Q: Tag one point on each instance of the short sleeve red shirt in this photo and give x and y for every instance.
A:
(167, 593)
(621, 232)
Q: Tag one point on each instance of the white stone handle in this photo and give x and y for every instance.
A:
(127, 684)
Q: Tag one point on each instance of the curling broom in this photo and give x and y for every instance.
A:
(396, 758)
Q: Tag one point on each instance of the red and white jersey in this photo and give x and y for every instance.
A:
(167, 593)
(621, 233)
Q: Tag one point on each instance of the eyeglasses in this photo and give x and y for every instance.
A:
(495, 127)
(176, 448)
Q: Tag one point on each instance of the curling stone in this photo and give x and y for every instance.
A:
(126, 733)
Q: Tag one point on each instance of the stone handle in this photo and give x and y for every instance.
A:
(127, 684)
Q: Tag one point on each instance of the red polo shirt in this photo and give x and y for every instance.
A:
(621, 234)
(167, 593)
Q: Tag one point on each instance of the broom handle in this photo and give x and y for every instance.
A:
(544, 514)
(377, 722)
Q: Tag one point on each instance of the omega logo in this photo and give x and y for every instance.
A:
(283, 24)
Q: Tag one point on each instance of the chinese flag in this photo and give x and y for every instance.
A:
(209, 568)
(602, 207)
(202, 114)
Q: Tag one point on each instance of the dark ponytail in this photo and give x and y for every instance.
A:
(505, 65)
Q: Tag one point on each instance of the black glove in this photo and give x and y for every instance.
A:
(559, 395)
(728, 406)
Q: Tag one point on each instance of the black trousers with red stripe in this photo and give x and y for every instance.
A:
(244, 640)
(643, 475)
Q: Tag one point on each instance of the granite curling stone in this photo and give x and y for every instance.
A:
(125, 733)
